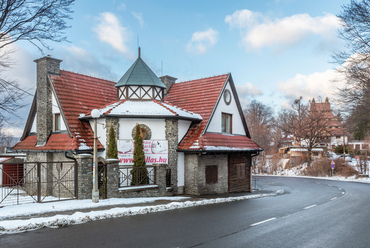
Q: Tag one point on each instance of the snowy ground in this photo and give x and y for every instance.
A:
(15, 219)
(297, 171)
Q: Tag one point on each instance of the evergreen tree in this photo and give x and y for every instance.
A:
(112, 151)
(139, 171)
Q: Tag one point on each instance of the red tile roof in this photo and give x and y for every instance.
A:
(79, 94)
(200, 96)
(58, 142)
(214, 141)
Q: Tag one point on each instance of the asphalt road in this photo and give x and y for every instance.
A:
(312, 213)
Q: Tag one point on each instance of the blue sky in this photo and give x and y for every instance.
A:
(276, 50)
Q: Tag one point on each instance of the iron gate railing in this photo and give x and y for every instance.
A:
(130, 176)
(37, 182)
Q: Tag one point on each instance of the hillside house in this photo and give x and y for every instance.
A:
(196, 140)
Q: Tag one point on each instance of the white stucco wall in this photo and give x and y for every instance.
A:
(34, 125)
(56, 110)
(101, 134)
(157, 127)
(183, 127)
(237, 124)
(180, 169)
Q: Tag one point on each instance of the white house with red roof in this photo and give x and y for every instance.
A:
(195, 136)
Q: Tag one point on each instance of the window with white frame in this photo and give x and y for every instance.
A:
(226, 123)
(57, 122)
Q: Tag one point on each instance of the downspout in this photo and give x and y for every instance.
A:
(75, 174)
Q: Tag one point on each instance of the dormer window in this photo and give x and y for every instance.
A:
(226, 123)
(57, 122)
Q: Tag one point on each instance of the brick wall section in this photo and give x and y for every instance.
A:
(241, 184)
(172, 137)
(45, 66)
(85, 184)
(221, 161)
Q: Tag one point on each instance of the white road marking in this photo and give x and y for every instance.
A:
(342, 193)
(332, 199)
(312, 206)
(264, 221)
(340, 188)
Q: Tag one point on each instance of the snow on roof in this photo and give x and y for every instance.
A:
(147, 108)
(4, 159)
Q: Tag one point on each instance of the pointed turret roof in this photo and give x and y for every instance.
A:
(139, 74)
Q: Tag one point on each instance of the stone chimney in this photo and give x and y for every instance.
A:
(168, 81)
(45, 66)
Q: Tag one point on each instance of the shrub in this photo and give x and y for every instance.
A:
(339, 149)
(139, 171)
(322, 168)
(112, 151)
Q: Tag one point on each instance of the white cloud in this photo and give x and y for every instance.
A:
(139, 17)
(246, 92)
(122, 6)
(79, 60)
(110, 30)
(259, 31)
(243, 18)
(248, 89)
(202, 41)
(310, 86)
(13, 131)
(23, 72)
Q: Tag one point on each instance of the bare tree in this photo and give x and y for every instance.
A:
(6, 140)
(34, 21)
(307, 124)
(354, 63)
(259, 118)
(29, 20)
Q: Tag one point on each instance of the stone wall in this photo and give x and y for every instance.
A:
(172, 137)
(191, 174)
(112, 178)
(152, 191)
(221, 161)
(85, 174)
(168, 81)
(45, 66)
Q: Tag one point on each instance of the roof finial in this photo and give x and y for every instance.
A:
(139, 52)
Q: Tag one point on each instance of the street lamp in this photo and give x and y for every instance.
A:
(95, 192)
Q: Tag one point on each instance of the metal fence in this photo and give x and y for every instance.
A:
(134, 176)
(37, 182)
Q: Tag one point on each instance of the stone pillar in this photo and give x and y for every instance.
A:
(172, 137)
(191, 174)
(168, 81)
(45, 66)
(85, 176)
(112, 177)
(160, 175)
